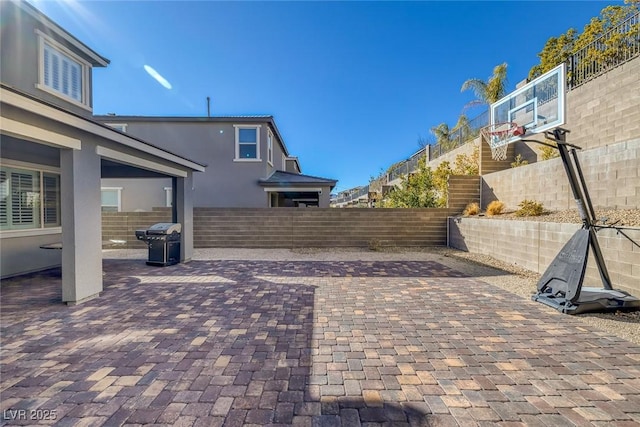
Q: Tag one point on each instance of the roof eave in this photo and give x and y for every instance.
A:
(98, 60)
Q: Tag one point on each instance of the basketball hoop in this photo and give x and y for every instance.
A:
(498, 135)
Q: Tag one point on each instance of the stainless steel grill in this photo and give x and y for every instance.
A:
(163, 240)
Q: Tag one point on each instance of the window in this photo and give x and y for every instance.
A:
(247, 143)
(270, 148)
(29, 199)
(111, 199)
(62, 74)
(51, 199)
(168, 196)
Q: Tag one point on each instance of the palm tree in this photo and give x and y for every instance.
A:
(490, 91)
(443, 135)
(460, 132)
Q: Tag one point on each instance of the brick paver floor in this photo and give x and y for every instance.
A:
(212, 343)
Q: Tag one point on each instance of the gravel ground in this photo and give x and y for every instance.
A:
(509, 277)
(619, 217)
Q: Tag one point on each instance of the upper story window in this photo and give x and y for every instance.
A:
(62, 73)
(29, 199)
(247, 142)
(270, 148)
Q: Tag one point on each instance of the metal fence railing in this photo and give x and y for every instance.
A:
(407, 166)
(401, 170)
(617, 46)
(460, 136)
(352, 195)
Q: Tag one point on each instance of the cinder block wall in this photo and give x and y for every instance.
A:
(450, 157)
(533, 245)
(463, 189)
(486, 162)
(122, 226)
(606, 110)
(612, 175)
(296, 227)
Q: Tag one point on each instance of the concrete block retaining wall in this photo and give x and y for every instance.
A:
(292, 227)
(605, 110)
(295, 227)
(612, 175)
(533, 245)
(121, 226)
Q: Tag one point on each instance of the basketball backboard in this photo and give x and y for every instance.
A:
(537, 106)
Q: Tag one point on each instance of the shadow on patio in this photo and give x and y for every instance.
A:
(207, 342)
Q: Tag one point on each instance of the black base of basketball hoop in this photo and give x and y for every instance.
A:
(560, 286)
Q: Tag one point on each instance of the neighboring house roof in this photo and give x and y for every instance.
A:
(35, 105)
(265, 118)
(282, 178)
(96, 59)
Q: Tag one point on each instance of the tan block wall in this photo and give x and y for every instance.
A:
(451, 155)
(123, 225)
(612, 175)
(463, 189)
(296, 227)
(607, 109)
(534, 245)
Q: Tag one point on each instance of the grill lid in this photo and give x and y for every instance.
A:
(165, 228)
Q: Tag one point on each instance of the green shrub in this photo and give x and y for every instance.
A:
(530, 208)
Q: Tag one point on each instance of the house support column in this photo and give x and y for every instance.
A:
(81, 225)
(183, 213)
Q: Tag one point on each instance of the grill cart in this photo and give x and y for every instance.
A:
(163, 240)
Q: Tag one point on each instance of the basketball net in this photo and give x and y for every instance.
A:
(497, 136)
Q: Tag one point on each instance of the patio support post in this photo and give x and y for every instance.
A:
(183, 210)
(81, 224)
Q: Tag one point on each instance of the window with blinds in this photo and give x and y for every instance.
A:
(51, 200)
(62, 74)
(4, 198)
(29, 199)
(25, 198)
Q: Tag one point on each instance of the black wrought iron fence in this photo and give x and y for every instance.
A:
(459, 137)
(617, 46)
(400, 170)
(414, 163)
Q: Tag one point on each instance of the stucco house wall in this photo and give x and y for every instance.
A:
(54, 155)
(229, 181)
(23, 43)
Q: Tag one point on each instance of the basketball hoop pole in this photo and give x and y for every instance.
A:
(581, 196)
(561, 284)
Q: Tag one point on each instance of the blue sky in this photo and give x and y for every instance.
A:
(352, 85)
